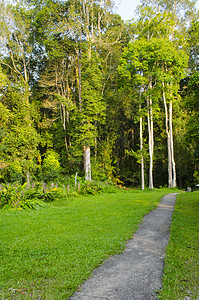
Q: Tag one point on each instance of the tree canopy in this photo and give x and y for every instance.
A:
(83, 92)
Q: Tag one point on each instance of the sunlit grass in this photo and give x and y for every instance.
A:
(46, 254)
(181, 278)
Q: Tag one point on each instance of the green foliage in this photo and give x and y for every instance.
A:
(196, 176)
(94, 188)
(77, 178)
(51, 166)
(48, 195)
(21, 139)
(192, 105)
(3, 79)
(15, 172)
(20, 197)
(192, 124)
(138, 154)
(103, 166)
(60, 87)
(99, 171)
(193, 44)
(20, 147)
(143, 59)
(4, 115)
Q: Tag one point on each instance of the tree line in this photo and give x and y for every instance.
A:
(81, 91)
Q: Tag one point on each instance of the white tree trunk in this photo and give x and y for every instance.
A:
(174, 184)
(142, 158)
(150, 130)
(141, 143)
(87, 163)
(170, 178)
(169, 148)
(151, 163)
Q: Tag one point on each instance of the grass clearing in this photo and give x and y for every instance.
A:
(48, 253)
(181, 274)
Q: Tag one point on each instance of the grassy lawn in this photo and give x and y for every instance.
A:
(47, 253)
(181, 278)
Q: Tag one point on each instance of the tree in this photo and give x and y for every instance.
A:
(4, 117)
(180, 12)
(191, 94)
(61, 92)
(136, 66)
(95, 38)
(150, 65)
(77, 55)
(22, 139)
(166, 19)
(172, 64)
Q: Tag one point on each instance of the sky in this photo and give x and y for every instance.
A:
(126, 8)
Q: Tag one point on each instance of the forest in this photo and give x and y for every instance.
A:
(83, 92)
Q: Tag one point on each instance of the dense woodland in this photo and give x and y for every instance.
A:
(81, 91)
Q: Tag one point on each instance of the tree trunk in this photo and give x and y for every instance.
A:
(141, 151)
(142, 158)
(170, 179)
(142, 172)
(174, 184)
(150, 130)
(168, 132)
(87, 163)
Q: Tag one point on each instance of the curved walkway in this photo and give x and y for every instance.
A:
(136, 273)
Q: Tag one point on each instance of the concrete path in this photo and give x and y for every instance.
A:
(136, 273)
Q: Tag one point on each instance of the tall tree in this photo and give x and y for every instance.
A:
(15, 60)
(172, 65)
(190, 87)
(169, 18)
(96, 39)
(136, 66)
(78, 51)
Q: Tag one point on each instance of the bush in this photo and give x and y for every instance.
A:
(51, 166)
(93, 188)
(19, 197)
(16, 172)
(12, 172)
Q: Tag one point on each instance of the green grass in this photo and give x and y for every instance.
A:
(46, 254)
(181, 274)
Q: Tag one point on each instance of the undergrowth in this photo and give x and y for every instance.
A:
(21, 197)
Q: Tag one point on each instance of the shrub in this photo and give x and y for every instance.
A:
(19, 197)
(93, 188)
(51, 166)
(16, 172)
